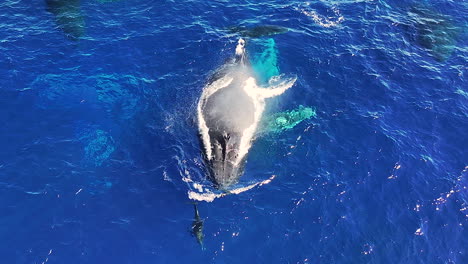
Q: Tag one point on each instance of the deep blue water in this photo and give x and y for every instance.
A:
(99, 141)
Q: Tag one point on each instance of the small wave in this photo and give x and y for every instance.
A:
(204, 195)
(322, 20)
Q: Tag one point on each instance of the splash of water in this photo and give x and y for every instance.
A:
(206, 195)
(324, 21)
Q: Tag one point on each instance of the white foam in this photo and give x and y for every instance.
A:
(210, 196)
(204, 197)
(198, 187)
(323, 21)
(258, 96)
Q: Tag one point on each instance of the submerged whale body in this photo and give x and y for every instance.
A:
(434, 31)
(229, 111)
(68, 17)
(258, 31)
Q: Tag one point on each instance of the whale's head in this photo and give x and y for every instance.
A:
(226, 116)
(225, 165)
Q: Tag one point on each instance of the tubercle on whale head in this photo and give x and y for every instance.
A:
(225, 173)
(224, 168)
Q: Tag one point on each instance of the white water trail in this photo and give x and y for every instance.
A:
(208, 196)
(258, 96)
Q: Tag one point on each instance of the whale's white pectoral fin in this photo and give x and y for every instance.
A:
(278, 89)
(253, 89)
(268, 93)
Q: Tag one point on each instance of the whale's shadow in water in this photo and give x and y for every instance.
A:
(433, 31)
(68, 16)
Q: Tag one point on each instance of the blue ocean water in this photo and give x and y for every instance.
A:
(100, 148)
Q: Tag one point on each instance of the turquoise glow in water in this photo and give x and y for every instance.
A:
(265, 60)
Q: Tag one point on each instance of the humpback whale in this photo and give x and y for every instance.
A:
(229, 110)
(197, 227)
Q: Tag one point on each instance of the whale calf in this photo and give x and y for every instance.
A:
(197, 227)
(229, 111)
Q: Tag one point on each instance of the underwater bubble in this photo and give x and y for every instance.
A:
(434, 31)
(98, 146)
(62, 91)
(119, 95)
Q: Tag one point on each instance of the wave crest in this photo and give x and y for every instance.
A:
(322, 20)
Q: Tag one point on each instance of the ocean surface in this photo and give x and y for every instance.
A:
(101, 161)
